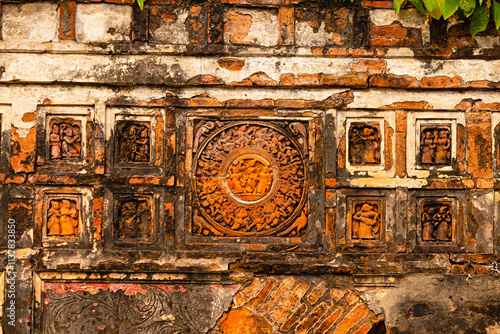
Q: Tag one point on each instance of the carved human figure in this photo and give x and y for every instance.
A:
(70, 142)
(442, 221)
(54, 219)
(55, 142)
(443, 144)
(365, 223)
(428, 148)
(428, 224)
(364, 145)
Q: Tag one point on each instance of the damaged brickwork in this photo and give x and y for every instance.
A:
(248, 166)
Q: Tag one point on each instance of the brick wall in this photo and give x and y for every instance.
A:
(248, 166)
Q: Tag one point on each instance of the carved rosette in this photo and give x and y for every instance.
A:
(250, 179)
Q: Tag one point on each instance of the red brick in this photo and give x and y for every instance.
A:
(487, 106)
(256, 79)
(329, 321)
(257, 301)
(401, 154)
(378, 4)
(23, 151)
(393, 81)
(300, 80)
(283, 311)
(485, 183)
(311, 319)
(67, 20)
(393, 30)
(286, 25)
(318, 291)
(294, 318)
(401, 121)
(337, 294)
(267, 103)
(409, 105)
(363, 330)
(368, 66)
(442, 82)
(237, 26)
(282, 292)
(349, 80)
(204, 80)
(482, 84)
(479, 148)
(353, 318)
(232, 64)
(385, 42)
(296, 104)
(202, 101)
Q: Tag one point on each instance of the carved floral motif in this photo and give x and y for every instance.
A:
(364, 144)
(437, 222)
(133, 220)
(365, 220)
(65, 139)
(249, 179)
(435, 145)
(134, 141)
(63, 217)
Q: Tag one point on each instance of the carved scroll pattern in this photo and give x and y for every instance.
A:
(250, 180)
(65, 139)
(128, 308)
(134, 219)
(435, 145)
(437, 222)
(364, 144)
(134, 141)
(63, 217)
(366, 220)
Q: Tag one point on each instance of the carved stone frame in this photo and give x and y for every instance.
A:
(386, 199)
(458, 211)
(416, 121)
(495, 135)
(83, 196)
(5, 130)
(156, 118)
(111, 198)
(184, 213)
(386, 122)
(83, 114)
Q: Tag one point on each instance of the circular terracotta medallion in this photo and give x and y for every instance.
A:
(249, 179)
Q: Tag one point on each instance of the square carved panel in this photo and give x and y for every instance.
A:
(63, 217)
(249, 180)
(437, 221)
(365, 221)
(66, 140)
(365, 144)
(135, 140)
(134, 218)
(435, 143)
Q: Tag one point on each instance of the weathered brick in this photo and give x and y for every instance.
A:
(325, 326)
(287, 25)
(257, 301)
(393, 30)
(479, 146)
(368, 66)
(300, 80)
(318, 291)
(232, 64)
(281, 292)
(337, 294)
(393, 81)
(311, 319)
(354, 317)
(442, 82)
(284, 310)
(354, 81)
(67, 20)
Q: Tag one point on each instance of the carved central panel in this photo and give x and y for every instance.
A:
(249, 179)
(435, 145)
(134, 143)
(366, 220)
(65, 139)
(134, 218)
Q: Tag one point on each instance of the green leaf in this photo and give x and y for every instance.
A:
(418, 5)
(141, 4)
(479, 20)
(430, 5)
(496, 13)
(397, 5)
(467, 6)
(448, 8)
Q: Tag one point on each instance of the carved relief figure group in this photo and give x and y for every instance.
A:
(436, 222)
(251, 152)
(435, 146)
(65, 141)
(133, 142)
(63, 218)
(364, 144)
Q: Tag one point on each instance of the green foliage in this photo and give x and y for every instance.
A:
(139, 2)
(479, 11)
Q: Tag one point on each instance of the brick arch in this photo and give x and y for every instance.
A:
(298, 305)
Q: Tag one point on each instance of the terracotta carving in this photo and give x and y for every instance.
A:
(65, 140)
(250, 179)
(435, 146)
(134, 141)
(366, 221)
(436, 221)
(133, 220)
(364, 144)
(63, 218)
